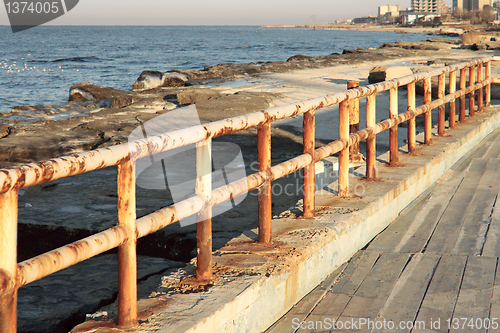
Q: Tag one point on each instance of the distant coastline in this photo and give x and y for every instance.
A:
(382, 28)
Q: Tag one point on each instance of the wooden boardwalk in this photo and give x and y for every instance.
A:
(434, 269)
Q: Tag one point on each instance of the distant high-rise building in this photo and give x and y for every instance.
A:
(425, 6)
(458, 5)
(470, 5)
(392, 10)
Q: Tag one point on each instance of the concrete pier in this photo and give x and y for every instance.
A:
(257, 284)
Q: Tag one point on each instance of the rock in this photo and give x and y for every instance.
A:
(155, 79)
(91, 92)
(122, 101)
(194, 96)
(452, 32)
(425, 47)
(494, 45)
(23, 108)
(388, 45)
(5, 131)
(383, 73)
(358, 50)
(237, 104)
(478, 47)
(298, 57)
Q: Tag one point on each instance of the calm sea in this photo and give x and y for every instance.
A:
(39, 65)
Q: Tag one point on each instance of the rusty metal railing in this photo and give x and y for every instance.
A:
(14, 275)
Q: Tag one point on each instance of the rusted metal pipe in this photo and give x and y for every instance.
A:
(412, 135)
(428, 114)
(56, 260)
(265, 195)
(480, 105)
(472, 80)
(309, 173)
(354, 155)
(463, 78)
(371, 153)
(488, 87)
(441, 114)
(127, 254)
(204, 218)
(343, 190)
(453, 89)
(8, 261)
(393, 132)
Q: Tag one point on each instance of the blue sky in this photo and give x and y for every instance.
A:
(214, 12)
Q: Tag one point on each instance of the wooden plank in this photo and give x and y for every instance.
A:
(472, 234)
(423, 225)
(343, 281)
(356, 273)
(475, 293)
(494, 151)
(410, 232)
(492, 245)
(388, 239)
(335, 301)
(440, 299)
(495, 304)
(405, 299)
(377, 286)
(477, 152)
(301, 310)
(447, 230)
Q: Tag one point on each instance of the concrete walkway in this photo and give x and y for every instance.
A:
(434, 269)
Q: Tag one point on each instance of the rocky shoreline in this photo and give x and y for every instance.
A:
(97, 116)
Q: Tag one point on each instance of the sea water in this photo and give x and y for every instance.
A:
(38, 66)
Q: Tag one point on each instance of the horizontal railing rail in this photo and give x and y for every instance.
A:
(14, 275)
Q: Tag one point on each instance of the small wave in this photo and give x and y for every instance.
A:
(77, 59)
(249, 46)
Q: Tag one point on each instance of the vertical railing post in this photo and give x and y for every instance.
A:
(488, 86)
(463, 78)
(204, 218)
(393, 132)
(472, 80)
(453, 89)
(127, 254)
(344, 153)
(412, 131)
(354, 155)
(309, 173)
(441, 109)
(265, 195)
(371, 153)
(8, 261)
(480, 91)
(428, 114)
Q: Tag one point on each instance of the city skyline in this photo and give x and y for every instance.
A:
(217, 12)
